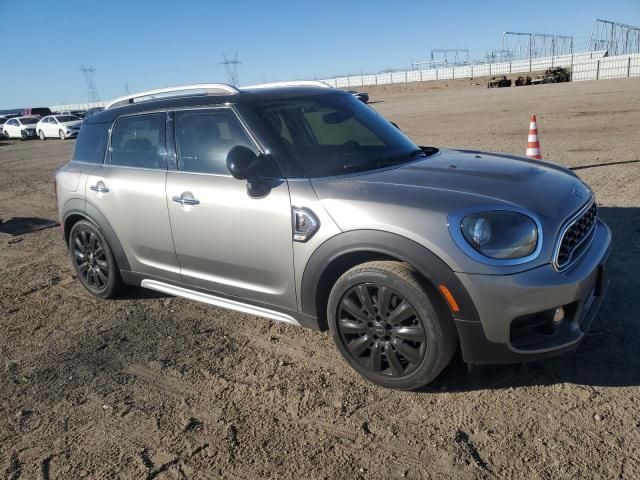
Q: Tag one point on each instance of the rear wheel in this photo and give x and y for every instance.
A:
(387, 327)
(93, 260)
(62, 135)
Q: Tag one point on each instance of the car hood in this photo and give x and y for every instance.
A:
(74, 123)
(415, 199)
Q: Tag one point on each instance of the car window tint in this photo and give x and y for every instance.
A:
(92, 143)
(203, 139)
(138, 141)
(332, 132)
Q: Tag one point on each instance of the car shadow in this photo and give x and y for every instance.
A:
(21, 225)
(608, 355)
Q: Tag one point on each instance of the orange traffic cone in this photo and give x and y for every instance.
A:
(533, 145)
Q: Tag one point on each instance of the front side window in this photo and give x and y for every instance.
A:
(138, 141)
(336, 134)
(204, 137)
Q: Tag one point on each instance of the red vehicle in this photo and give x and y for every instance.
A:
(36, 112)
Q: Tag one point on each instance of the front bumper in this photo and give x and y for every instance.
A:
(501, 299)
(71, 133)
(29, 132)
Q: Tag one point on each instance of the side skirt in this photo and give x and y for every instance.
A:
(218, 301)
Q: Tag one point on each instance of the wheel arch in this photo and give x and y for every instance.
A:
(348, 249)
(74, 212)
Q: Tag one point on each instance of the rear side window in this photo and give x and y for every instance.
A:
(138, 141)
(203, 139)
(92, 143)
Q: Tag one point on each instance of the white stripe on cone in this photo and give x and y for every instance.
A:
(532, 138)
(533, 126)
(533, 151)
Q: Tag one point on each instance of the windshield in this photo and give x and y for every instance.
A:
(336, 134)
(66, 118)
(29, 121)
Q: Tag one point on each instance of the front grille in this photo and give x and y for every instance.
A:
(575, 238)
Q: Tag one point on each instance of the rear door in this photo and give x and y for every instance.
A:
(129, 190)
(226, 240)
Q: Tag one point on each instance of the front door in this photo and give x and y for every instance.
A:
(129, 191)
(226, 240)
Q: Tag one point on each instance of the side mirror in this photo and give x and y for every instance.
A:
(241, 162)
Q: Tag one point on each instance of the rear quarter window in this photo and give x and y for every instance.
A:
(91, 143)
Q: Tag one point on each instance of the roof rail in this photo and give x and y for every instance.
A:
(205, 88)
(294, 83)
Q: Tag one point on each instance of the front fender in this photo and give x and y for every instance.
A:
(384, 243)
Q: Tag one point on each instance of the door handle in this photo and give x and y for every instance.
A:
(99, 187)
(185, 201)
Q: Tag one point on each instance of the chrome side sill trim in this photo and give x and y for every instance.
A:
(219, 301)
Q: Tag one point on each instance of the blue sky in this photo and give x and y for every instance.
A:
(159, 43)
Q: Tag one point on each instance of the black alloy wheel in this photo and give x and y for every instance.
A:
(390, 324)
(93, 260)
(381, 330)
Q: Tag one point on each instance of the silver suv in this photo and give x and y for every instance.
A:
(301, 204)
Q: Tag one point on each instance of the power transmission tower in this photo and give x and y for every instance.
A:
(616, 38)
(442, 57)
(89, 77)
(232, 67)
(519, 45)
(126, 88)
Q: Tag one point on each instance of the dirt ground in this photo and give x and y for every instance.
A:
(159, 387)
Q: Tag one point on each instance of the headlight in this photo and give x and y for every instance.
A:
(500, 234)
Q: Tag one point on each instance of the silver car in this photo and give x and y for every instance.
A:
(301, 204)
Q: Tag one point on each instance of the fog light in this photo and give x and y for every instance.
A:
(558, 316)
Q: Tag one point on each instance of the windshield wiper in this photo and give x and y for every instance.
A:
(405, 157)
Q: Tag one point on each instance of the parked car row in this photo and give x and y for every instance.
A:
(43, 123)
(26, 127)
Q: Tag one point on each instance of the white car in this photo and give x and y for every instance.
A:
(21, 127)
(61, 126)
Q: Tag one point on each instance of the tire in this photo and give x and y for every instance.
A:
(23, 136)
(42, 135)
(406, 342)
(93, 260)
(62, 135)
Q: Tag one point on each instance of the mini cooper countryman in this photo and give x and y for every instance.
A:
(299, 203)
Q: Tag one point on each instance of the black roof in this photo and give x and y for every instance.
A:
(200, 100)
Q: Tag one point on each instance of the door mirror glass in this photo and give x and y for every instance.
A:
(242, 162)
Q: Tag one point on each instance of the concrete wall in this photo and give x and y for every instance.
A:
(585, 66)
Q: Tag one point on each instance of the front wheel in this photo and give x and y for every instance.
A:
(388, 328)
(62, 135)
(93, 260)
(23, 136)
(41, 135)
